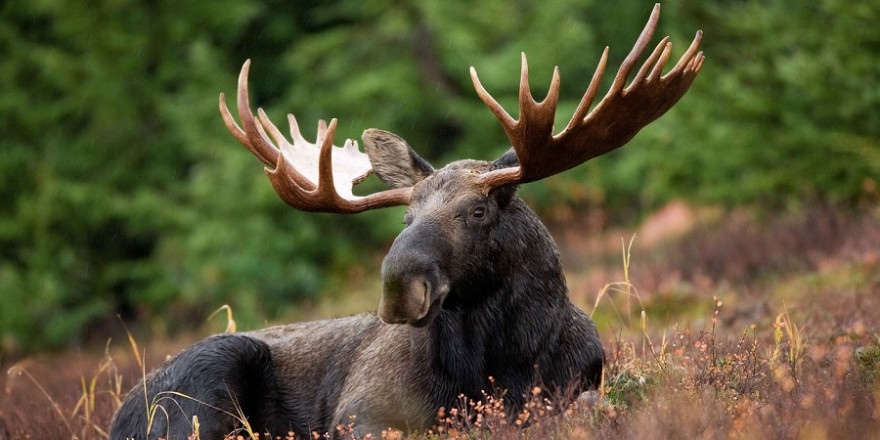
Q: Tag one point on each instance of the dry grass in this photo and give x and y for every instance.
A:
(787, 349)
(60, 397)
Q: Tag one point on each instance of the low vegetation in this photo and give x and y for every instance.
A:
(792, 351)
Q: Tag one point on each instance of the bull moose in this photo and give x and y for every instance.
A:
(473, 296)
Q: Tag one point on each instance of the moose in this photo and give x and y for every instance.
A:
(473, 298)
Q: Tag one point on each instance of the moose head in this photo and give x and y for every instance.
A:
(455, 213)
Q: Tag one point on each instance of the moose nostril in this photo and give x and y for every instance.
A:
(404, 299)
(418, 295)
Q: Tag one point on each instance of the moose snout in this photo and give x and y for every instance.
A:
(405, 301)
(413, 283)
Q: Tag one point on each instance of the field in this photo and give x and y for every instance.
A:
(716, 324)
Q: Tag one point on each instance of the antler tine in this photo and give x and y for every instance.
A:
(664, 58)
(295, 134)
(636, 52)
(257, 143)
(325, 164)
(655, 62)
(535, 118)
(581, 112)
(311, 185)
(496, 108)
(231, 125)
(269, 128)
(692, 60)
(527, 101)
(321, 132)
(621, 113)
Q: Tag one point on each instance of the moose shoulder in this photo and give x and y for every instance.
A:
(473, 297)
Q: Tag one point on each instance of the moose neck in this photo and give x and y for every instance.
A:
(498, 324)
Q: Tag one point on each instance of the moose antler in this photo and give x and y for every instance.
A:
(611, 124)
(309, 177)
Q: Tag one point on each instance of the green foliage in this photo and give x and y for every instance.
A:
(122, 193)
(804, 102)
(784, 110)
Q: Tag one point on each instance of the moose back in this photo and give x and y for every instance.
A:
(473, 297)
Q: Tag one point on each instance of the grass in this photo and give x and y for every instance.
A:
(695, 348)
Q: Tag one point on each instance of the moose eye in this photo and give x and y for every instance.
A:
(478, 212)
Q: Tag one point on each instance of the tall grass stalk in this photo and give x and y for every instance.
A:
(790, 339)
(630, 293)
(230, 323)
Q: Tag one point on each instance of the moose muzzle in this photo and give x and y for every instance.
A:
(413, 286)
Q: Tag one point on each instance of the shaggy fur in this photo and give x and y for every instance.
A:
(475, 286)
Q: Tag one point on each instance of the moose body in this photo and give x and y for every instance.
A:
(506, 316)
(474, 299)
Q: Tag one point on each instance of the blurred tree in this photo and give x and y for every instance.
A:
(784, 111)
(103, 128)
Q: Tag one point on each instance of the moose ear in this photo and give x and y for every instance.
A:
(506, 160)
(394, 161)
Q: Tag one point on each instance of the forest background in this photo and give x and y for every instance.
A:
(122, 195)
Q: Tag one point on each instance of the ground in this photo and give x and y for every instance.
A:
(716, 324)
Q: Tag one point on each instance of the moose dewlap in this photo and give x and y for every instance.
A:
(473, 296)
